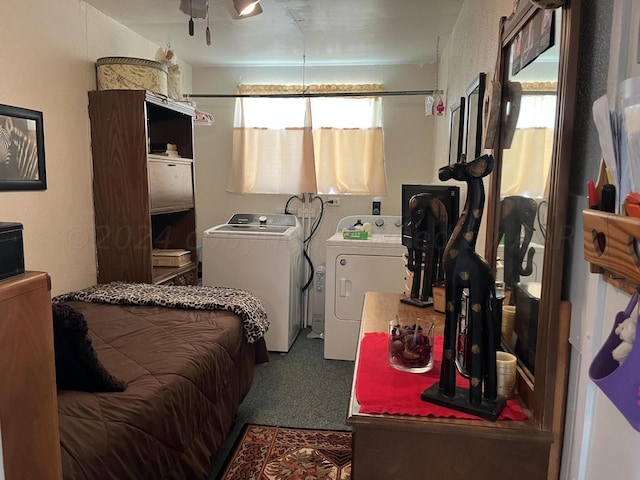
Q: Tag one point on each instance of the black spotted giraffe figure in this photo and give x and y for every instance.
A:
(464, 268)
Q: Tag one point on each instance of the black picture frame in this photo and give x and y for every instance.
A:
(537, 36)
(22, 160)
(474, 120)
(456, 130)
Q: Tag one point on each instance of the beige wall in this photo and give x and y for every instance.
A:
(47, 63)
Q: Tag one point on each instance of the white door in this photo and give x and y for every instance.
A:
(357, 274)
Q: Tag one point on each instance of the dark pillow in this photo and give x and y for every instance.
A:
(77, 365)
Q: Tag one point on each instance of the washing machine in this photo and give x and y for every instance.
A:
(261, 253)
(354, 267)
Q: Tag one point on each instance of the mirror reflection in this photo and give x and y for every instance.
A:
(455, 131)
(528, 126)
(475, 98)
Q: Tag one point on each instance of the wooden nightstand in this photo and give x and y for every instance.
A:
(402, 447)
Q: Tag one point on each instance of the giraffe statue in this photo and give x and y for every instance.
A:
(464, 268)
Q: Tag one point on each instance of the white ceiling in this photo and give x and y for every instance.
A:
(290, 32)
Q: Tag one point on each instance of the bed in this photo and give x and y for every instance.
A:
(184, 369)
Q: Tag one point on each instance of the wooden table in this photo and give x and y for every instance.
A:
(403, 447)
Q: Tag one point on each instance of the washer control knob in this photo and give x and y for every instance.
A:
(343, 262)
(398, 223)
(263, 219)
(379, 222)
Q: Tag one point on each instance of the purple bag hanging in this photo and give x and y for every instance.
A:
(621, 383)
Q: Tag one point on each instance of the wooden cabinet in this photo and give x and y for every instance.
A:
(399, 447)
(28, 399)
(143, 198)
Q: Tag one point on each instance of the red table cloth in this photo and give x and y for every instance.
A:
(382, 389)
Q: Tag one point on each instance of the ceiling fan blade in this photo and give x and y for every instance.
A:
(199, 9)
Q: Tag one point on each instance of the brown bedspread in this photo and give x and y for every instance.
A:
(187, 372)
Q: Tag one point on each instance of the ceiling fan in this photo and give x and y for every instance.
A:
(200, 9)
(237, 8)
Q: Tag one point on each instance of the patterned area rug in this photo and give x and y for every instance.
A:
(275, 453)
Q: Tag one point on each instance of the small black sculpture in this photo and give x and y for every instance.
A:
(428, 227)
(464, 268)
(517, 212)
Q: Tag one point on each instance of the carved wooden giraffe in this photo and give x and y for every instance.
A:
(464, 268)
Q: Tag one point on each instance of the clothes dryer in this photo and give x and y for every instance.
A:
(261, 253)
(355, 267)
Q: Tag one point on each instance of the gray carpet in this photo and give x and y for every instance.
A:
(300, 389)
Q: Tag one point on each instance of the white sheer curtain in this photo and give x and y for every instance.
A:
(525, 166)
(298, 145)
(349, 145)
(272, 147)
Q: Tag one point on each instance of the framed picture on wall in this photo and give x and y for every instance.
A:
(456, 130)
(22, 164)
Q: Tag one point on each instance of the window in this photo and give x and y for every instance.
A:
(330, 145)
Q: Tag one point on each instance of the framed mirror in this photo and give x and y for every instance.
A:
(456, 127)
(475, 99)
(529, 191)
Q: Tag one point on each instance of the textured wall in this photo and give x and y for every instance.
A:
(594, 63)
(471, 49)
(47, 58)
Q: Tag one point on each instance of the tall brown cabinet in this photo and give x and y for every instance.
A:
(143, 193)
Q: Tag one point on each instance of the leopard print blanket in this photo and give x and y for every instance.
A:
(242, 303)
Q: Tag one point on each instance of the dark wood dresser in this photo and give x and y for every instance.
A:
(401, 447)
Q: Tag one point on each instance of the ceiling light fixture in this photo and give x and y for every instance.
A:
(247, 8)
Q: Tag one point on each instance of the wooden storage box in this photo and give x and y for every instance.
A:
(167, 257)
(612, 242)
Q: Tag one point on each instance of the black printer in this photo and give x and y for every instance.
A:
(11, 250)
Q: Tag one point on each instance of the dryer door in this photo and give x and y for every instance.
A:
(357, 274)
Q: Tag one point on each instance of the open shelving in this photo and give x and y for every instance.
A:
(143, 178)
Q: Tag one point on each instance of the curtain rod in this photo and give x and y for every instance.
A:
(298, 95)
